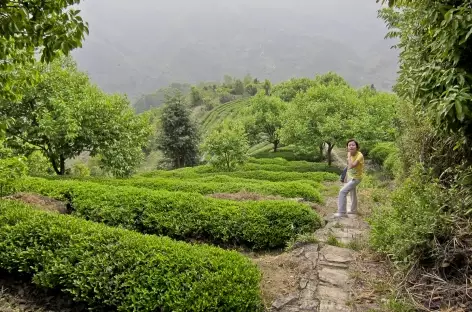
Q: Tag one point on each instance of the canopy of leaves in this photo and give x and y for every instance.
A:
(64, 115)
(227, 146)
(435, 65)
(178, 137)
(32, 26)
(265, 115)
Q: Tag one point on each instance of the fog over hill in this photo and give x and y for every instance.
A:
(136, 47)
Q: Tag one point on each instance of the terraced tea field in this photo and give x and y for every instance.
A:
(161, 241)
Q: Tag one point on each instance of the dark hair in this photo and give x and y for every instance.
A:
(352, 140)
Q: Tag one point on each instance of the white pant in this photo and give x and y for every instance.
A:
(350, 187)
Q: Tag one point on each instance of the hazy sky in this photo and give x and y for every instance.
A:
(136, 47)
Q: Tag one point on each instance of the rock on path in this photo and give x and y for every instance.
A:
(325, 284)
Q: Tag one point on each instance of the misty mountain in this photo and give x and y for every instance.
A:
(137, 47)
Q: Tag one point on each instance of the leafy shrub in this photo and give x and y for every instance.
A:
(116, 269)
(80, 170)
(288, 166)
(274, 176)
(407, 228)
(261, 224)
(285, 189)
(393, 165)
(226, 146)
(381, 151)
(38, 164)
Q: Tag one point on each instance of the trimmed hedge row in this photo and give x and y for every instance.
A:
(115, 269)
(280, 164)
(285, 189)
(257, 224)
(274, 176)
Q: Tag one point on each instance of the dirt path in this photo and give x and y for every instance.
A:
(320, 279)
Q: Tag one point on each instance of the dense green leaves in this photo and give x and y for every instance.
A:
(64, 115)
(435, 66)
(28, 27)
(226, 146)
(115, 269)
(259, 224)
(265, 115)
(178, 137)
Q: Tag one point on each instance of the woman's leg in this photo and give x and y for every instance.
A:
(354, 200)
(342, 200)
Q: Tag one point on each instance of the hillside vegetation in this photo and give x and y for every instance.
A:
(159, 208)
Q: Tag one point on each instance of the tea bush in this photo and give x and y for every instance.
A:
(274, 176)
(257, 224)
(116, 269)
(286, 189)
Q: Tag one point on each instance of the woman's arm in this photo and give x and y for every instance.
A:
(350, 163)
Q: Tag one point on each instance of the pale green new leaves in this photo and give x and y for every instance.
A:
(226, 146)
(265, 114)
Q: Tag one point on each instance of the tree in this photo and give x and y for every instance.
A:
(265, 114)
(64, 115)
(238, 87)
(323, 115)
(287, 90)
(31, 26)
(226, 146)
(179, 136)
(251, 89)
(196, 98)
(330, 78)
(267, 86)
(11, 167)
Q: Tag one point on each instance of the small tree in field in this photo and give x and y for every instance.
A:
(11, 167)
(227, 146)
(179, 134)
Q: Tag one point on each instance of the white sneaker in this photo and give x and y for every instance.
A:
(340, 215)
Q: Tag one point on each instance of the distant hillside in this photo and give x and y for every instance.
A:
(138, 47)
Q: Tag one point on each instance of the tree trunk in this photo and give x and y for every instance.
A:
(330, 156)
(62, 161)
(276, 144)
(321, 150)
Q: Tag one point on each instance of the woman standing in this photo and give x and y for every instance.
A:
(355, 172)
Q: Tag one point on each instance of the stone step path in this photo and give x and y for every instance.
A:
(324, 283)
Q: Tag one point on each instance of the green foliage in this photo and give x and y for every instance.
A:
(157, 99)
(179, 137)
(211, 185)
(116, 269)
(258, 224)
(381, 151)
(330, 78)
(288, 90)
(196, 98)
(38, 164)
(435, 68)
(324, 114)
(251, 89)
(227, 111)
(11, 168)
(332, 112)
(64, 115)
(275, 176)
(226, 146)
(265, 115)
(267, 86)
(29, 27)
(407, 229)
(80, 170)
